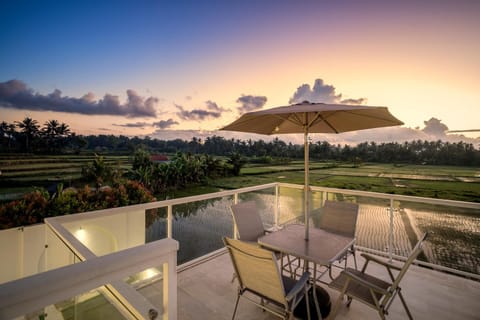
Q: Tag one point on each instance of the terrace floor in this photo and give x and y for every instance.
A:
(205, 291)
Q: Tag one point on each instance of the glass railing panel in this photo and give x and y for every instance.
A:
(265, 201)
(199, 227)
(92, 305)
(374, 225)
(290, 205)
(454, 234)
(156, 224)
(149, 283)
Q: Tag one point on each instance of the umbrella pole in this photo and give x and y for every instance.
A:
(306, 208)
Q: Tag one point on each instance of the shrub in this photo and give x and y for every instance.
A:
(37, 205)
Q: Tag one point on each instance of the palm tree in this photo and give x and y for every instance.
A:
(50, 132)
(55, 132)
(10, 134)
(237, 162)
(63, 130)
(29, 128)
(98, 171)
(51, 128)
(3, 131)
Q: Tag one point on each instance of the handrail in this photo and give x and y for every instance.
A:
(422, 263)
(388, 196)
(159, 204)
(31, 293)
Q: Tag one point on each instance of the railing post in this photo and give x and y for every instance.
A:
(235, 231)
(169, 221)
(390, 235)
(21, 255)
(276, 206)
(170, 303)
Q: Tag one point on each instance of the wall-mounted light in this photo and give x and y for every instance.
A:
(81, 234)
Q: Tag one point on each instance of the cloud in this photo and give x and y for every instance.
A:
(321, 92)
(15, 94)
(435, 127)
(250, 103)
(196, 114)
(132, 125)
(164, 124)
(213, 106)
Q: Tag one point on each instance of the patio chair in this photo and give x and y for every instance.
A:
(340, 218)
(371, 290)
(250, 227)
(260, 276)
(247, 219)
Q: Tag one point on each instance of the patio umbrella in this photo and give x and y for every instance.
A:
(308, 118)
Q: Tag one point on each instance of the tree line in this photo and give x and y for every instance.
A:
(55, 137)
(414, 152)
(28, 136)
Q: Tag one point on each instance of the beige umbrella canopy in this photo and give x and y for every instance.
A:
(308, 118)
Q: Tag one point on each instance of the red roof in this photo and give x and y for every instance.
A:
(158, 157)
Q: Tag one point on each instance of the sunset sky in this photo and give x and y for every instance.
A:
(168, 69)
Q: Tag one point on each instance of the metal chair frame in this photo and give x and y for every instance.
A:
(370, 290)
(259, 274)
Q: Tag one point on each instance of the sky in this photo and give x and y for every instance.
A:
(178, 69)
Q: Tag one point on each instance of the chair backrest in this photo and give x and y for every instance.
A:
(339, 217)
(257, 269)
(247, 219)
(413, 255)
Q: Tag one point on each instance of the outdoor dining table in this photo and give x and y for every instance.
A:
(321, 248)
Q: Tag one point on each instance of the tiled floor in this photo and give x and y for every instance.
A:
(206, 292)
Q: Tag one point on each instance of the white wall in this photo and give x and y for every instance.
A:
(57, 253)
(22, 252)
(110, 233)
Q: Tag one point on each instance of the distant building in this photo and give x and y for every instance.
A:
(159, 158)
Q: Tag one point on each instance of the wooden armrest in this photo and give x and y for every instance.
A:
(380, 261)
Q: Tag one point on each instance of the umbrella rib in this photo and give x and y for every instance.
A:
(296, 120)
(321, 118)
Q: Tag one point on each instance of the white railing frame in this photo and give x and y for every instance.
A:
(235, 193)
(121, 292)
(32, 293)
(84, 253)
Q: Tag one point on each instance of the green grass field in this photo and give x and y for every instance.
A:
(443, 182)
(24, 173)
